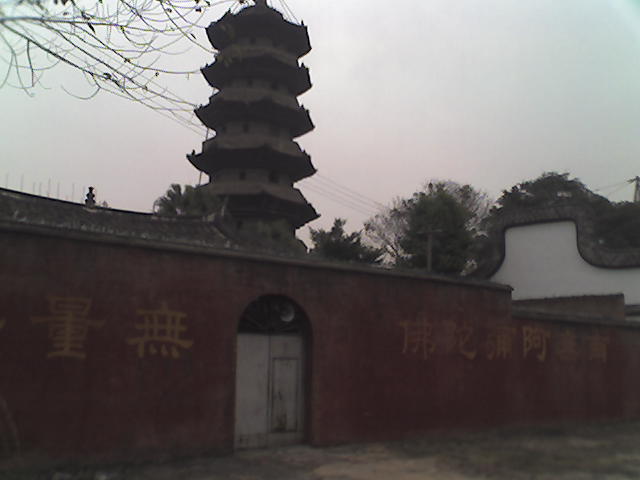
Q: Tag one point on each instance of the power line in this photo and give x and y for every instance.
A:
(335, 200)
(613, 185)
(348, 191)
(348, 196)
(337, 193)
(342, 201)
(618, 189)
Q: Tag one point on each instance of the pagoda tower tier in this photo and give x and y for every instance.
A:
(236, 105)
(295, 78)
(253, 160)
(251, 201)
(267, 23)
(263, 154)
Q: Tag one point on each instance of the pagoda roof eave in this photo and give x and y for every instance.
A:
(262, 205)
(223, 32)
(220, 111)
(215, 160)
(219, 74)
(246, 187)
(292, 203)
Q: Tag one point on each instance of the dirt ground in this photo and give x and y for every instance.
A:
(603, 451)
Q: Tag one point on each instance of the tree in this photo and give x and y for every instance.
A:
(437, 234)
(336, 244)
(617, 225)
(549, 189)
(190, 201)
(114, 44)
(403, 235)
(387, 228)
(477, 203)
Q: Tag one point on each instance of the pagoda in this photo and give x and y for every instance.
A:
(253, 161)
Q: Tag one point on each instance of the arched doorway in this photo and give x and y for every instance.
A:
(273, 335)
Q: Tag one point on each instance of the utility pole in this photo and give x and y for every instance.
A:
(429, 249)
(430, 233)
(636, 192)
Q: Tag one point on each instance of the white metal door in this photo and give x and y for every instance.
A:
(269, 390)
(252, 386)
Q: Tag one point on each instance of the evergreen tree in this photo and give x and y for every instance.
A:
(190, 201)
(617, 225)
(550, 189)
(437, 214)
(446, 211)
(336, 244)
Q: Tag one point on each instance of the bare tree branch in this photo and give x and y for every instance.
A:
(117, 45)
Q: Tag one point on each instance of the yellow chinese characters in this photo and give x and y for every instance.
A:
(448, 336)
(500, 341)
(418, 337)
(458, 337)
(161, 330)
(68, 325)
(466, 347)
(567, 346)
(534, 339)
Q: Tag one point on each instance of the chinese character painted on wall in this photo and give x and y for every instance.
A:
(534, 339)
(418, 337)
(458, 337)
(466, 346)
(567, 346)
(448, 336)
(161, 330)
(68, 325)
(500, 341)
(598, 346)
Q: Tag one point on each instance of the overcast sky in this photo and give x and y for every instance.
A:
(483, 92)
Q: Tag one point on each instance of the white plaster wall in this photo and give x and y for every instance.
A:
(542, 260)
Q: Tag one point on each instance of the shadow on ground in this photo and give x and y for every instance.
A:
(608, 451)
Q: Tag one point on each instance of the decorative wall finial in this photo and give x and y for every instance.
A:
(90, 201)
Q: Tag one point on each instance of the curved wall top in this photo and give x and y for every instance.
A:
(553, 252)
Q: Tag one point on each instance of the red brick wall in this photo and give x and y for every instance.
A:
(482, 369)
(608, 307)
(391, 355)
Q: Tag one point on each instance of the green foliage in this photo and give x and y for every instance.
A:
(452, 212)
(437, 213)
(617, 225)
(548, 190)
(475, 202)
(336, 244)
(190, 201)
